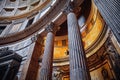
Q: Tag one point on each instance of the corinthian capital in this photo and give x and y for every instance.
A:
(51, 28)
(69, 7)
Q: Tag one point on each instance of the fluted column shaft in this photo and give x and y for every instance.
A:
(78, 65)
(110, 11)
(46, 69)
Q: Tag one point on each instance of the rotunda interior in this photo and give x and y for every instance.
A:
(59, 40)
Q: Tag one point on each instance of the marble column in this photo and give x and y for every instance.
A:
(47, 60)
(77, 57)
(110, 11)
